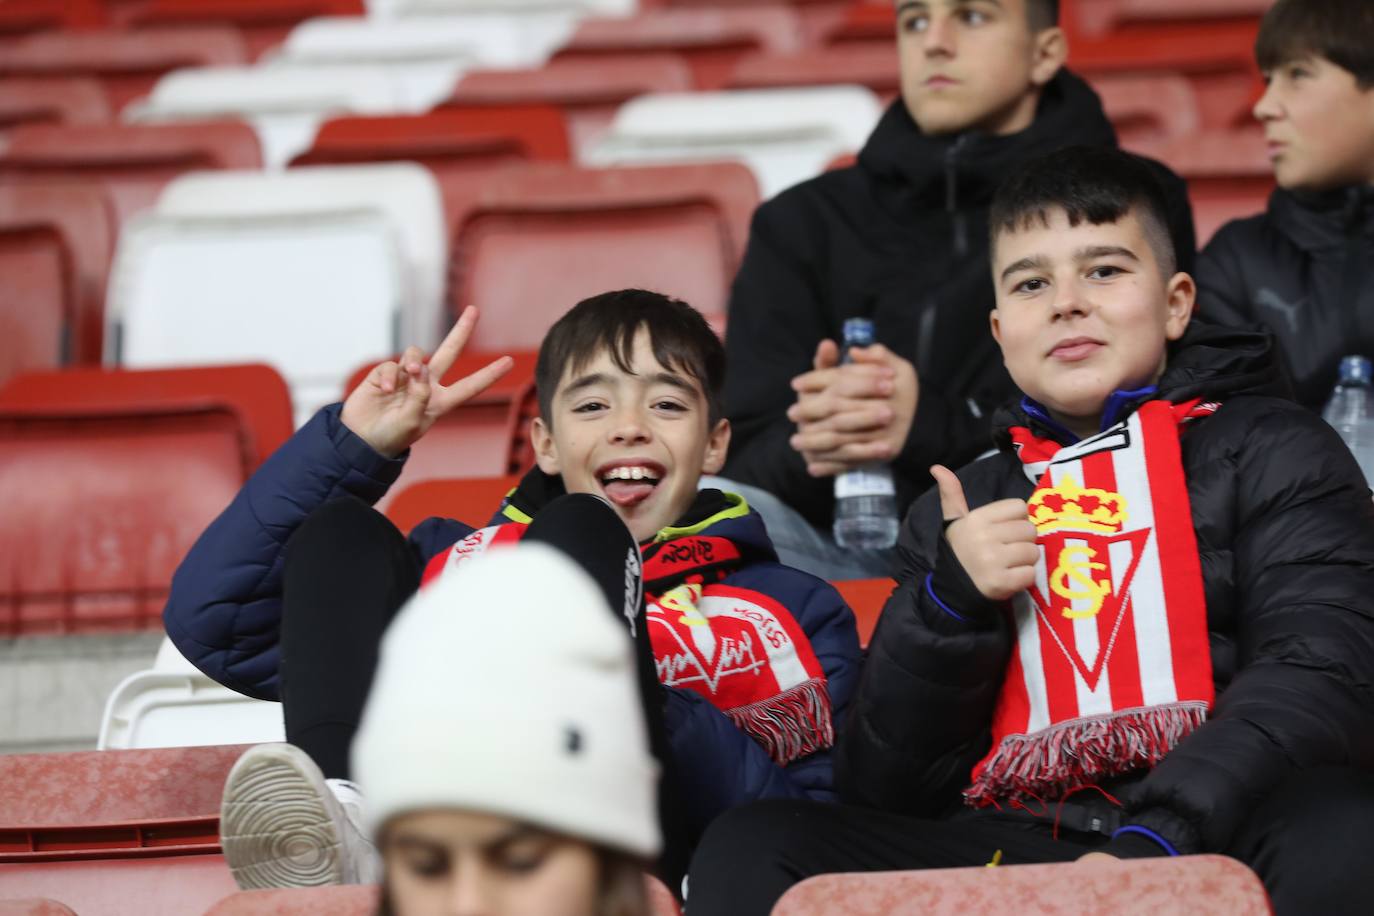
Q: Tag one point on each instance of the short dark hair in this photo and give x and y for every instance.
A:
(1342, 31)
(1096, 184)
(681, 339)
(1043, 14)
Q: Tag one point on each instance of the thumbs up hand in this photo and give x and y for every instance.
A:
(994, 543)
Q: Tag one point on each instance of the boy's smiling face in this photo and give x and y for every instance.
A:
(1083, 311)
(1319, 125)
(640, 439)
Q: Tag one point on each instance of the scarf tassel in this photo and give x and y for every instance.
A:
(790, 725)
(1081, 752)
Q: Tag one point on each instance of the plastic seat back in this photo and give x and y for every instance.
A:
(710, 41)
(1187, 885)
(1228, 175)
(34, 906)
(422, 58)
(55, 247)
(531, 243)
(172, 885)
(264, 24)
(784, 135)
(284, 104)
(1149, 108)
(132, 162)
(25, 17)
(76, 100)
(873, 65)
(127, 64)
(866, 598)
(587, 92)
(403, 195)
(105, 493)
(348, 900)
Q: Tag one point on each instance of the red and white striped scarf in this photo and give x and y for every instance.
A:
(1111, 667)
(739, 648)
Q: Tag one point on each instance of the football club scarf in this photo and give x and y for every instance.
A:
(1111, 666)
(739, 648)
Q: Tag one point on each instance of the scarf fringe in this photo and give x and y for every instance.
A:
(790, 725)
(1082, 751)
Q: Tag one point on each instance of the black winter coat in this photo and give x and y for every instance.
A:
(1285, 529)
(1305, 270)
(900, 238)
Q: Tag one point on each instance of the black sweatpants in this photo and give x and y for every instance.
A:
(349, 570)
(1310, 842)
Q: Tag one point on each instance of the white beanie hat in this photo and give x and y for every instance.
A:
(506, 687)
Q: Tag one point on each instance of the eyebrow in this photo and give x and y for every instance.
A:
(1092, 252)
(671, 379)
(926, 4)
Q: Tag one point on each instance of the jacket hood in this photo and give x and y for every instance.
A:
(1069, 114)
(711, 514)
(1325, 221)
(1208, 362)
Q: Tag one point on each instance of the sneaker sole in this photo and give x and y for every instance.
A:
(276, 826)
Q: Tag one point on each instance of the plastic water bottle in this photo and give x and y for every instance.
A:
(1351, 410)
(865, 498)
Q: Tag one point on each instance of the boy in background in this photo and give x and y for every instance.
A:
(1302, 268)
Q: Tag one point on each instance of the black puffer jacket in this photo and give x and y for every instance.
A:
(900, 238)
(1305, 270)
(1285, 529)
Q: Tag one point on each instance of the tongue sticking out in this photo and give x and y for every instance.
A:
(626, 493)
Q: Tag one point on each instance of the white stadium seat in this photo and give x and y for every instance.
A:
(784, 135)
(423, 58)
(284, 104)
(174, 705)
(406, 195)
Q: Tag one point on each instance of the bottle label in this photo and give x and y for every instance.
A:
(864, 483)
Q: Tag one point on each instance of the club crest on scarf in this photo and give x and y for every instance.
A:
(1111, 666)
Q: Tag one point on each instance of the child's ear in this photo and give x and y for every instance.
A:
(995, 320)
(1182, 295)
(545, 451)
(1051, 51)
(717, 445)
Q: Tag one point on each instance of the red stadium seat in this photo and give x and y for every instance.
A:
(22, 17)
(1183, 886)
(872, 64)
(532, 242)
(865, 22)
(1121, 17)
(1149, 107)
(111, 804)
(175, 885)
(350, 900)
(264, 24)
(54, 101)
(587, 92)
(472, 500)
(1228, 174)
(711, 41)
(55, 248)
(107, 477)
(865, 598)
(816, 17)
(132, 161)
(452, 144)
(127, 64)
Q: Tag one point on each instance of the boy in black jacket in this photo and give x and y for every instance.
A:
(1142, 628)
(1301, 268)
(899, 238)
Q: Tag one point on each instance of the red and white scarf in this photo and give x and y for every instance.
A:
(739, 648)
(1111, 667)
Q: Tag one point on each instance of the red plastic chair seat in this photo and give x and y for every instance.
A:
(1149, 107)
(1185, 886)
(872, 64)
(710, 41)
(23, 17)
(34, 906)
(127, 64)
(51, 101)
(530, 243)
(587, 92)
(166, 886)
(264, 24)
(471, 500)
(133, 162)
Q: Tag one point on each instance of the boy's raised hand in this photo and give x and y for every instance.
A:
(399, 401)
(994, 543)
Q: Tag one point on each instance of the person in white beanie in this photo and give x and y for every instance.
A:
(503, 750)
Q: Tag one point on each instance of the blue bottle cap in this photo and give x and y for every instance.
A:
(1356, 370)
(858, 332)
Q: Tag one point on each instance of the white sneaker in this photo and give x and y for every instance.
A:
(282, 824)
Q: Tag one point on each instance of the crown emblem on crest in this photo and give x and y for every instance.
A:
(1071, 507)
